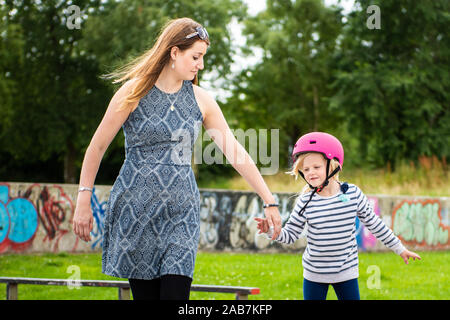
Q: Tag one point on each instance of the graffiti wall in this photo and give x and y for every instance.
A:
(422, 223)
(38, 218)
(365, 239)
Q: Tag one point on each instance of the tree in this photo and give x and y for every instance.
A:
(52, 84)
(120, 30)
(393, 82)
(288, 89)
(53, 97)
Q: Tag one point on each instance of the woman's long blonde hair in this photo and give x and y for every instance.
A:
(145, 69)
(298, 165)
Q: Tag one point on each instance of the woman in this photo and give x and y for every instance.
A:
(152, 226)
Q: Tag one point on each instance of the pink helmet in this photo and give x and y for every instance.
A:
(321, 142)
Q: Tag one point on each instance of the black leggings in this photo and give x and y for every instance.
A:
(168, 287)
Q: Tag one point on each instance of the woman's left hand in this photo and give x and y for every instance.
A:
(406, 254)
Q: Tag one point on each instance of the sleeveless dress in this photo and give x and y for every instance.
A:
(152, 225)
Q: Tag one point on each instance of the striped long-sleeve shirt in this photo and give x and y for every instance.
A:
(331, 254)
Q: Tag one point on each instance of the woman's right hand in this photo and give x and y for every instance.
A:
(83, 221)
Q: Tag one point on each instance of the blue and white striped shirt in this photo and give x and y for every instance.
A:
(331, 254)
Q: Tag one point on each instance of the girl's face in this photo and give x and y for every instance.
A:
(190, 61)
(314, 168)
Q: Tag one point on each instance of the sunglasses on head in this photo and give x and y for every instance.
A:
(200, 32)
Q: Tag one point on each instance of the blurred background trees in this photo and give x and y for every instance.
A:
(393, 83)
(384, 92)
(52, 97)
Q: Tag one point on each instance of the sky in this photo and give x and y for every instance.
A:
(254, 6)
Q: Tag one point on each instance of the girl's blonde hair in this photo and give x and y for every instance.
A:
(298, 165)
(146, 68)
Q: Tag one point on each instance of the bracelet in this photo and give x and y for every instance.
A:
(268, 205)
(80, 189)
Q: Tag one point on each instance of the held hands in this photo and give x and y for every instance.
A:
(406, 254)
(272, 222)
(263, 227)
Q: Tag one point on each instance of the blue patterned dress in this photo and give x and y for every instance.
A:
(152, 225)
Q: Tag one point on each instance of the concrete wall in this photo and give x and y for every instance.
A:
(37, 218)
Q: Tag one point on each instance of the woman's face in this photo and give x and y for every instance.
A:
(314, 168)
(190, 61)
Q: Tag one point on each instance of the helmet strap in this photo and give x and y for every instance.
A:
(320, 188)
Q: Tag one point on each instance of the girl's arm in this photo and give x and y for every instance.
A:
(379, 229)
(217, 127)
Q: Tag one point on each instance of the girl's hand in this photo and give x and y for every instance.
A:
(263, 225)
(409, 254)
(273, 220)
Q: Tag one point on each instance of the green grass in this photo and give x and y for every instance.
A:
(279, 276)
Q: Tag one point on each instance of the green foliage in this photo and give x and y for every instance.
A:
(52, 95)
(383, 92)
(119, 31)
(392, 83)
(288, 88)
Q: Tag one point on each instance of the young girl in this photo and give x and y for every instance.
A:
(330, 207)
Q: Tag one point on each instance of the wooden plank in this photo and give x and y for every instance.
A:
(124, 294)
(224, 289)
(11, 291)
(65, 282)
(124, 286)
(241, 296)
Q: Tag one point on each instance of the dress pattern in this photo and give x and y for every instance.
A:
(152, 225)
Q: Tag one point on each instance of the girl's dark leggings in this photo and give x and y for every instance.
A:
(168, 287)
(347, 290)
